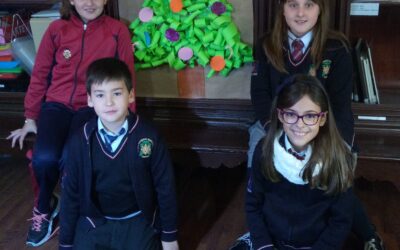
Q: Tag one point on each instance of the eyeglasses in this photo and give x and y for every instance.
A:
(292, 118)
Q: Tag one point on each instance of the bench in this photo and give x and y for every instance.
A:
(212, 133)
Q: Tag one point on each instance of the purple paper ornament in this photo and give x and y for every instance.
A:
(172, 35)
(218, 8)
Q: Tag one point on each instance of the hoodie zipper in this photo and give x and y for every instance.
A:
(79, 63)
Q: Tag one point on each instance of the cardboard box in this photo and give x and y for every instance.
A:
(39, 26)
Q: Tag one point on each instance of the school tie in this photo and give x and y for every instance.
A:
(297, 52)
(295, 154)
(109, 139)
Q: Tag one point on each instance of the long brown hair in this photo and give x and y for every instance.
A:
(328, 148)
(67, 9)
(276, 40)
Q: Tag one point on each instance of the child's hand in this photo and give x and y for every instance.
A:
(20, 134)
(173, 245)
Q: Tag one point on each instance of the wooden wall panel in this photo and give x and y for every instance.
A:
(384, 42)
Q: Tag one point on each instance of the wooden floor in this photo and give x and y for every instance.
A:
(204, 194)
(380, 199)
(16, 204)
(210, 207)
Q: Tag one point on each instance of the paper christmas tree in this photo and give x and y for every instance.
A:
(188, 32)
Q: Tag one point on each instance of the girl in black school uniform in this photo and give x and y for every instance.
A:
(299, 194)
(322, 53)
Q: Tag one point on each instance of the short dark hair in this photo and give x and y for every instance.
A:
(108, 69)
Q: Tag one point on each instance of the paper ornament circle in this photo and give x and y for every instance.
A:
(218, 8)
(145, 14)
(185, 53)
(172, 35)
(217, 63)
(176, 5)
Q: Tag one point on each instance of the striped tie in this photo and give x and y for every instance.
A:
(109, 139)
(297, 52)
(296, 155)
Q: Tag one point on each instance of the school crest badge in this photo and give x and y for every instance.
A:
(326, 66)
(145, 146)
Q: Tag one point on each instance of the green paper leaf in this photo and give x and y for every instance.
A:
(206, 33)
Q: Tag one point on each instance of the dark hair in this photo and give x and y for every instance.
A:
(66, 9)
(328, 147)
(273, 43)
(108, 69)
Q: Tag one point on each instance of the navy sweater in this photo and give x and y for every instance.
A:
(291, 216)
(335, 73)
(111, 199)
(150, 171)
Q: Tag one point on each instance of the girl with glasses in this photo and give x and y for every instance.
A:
(301, 42)
(299, 194)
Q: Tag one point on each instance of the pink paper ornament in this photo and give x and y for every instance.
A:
(145, 14)
(185, 53)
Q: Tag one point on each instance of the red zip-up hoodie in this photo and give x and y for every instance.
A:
(67, 49)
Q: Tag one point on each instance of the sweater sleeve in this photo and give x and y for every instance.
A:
(339, 224)
(40, 75)
(260, 91)
(340, 86)
(69, 213)
(164, 182)
(125, 53)
(254, 205)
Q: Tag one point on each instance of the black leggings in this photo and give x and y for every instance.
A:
(56, 122)
(362, 226)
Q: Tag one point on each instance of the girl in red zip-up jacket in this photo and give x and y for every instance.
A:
(56, 100)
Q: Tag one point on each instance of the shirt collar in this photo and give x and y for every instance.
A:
(100, 126)
(77, 20)
(288, 146)
(306, 39)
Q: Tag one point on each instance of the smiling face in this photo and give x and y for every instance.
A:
(300, 134)
(301, 16)
(111, 100)
(89, 10)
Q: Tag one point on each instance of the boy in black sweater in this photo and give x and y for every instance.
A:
(118, 184)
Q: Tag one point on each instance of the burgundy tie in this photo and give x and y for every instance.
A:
(297, 52)
(295, 154)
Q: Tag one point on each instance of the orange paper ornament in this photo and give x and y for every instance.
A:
(217, 63)
(176, 5)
